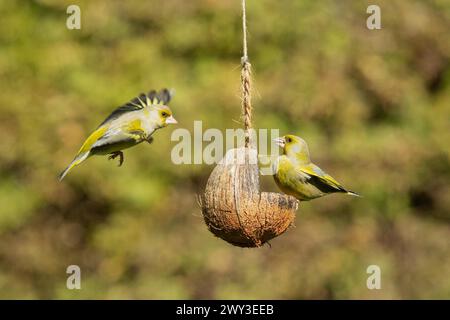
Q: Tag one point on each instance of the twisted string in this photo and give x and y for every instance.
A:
(246, 82)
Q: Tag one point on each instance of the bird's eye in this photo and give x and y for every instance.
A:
(289, 140)
(164, 114)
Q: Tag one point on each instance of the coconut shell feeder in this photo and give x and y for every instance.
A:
(233, 207)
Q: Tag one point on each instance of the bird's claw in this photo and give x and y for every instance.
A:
(149, 139)
(115, 155)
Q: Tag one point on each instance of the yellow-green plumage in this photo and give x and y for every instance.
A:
(97, 134)
(296, 175)
(126, 127)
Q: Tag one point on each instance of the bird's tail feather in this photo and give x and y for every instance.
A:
(78, 159)
(353, 193)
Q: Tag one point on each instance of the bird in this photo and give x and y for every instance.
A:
(128, 125)
(296, 175)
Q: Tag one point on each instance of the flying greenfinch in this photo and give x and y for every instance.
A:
(297, 176)
(127, 126)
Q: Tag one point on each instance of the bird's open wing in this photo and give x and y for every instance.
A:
(164, 96)
(321, 180)
(140, 102)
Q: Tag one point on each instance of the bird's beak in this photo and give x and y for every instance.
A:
(171, 120)
(280, 141)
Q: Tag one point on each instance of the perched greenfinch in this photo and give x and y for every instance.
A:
(127, 126)
(297, 176)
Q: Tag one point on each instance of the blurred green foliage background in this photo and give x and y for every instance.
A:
(373, 105)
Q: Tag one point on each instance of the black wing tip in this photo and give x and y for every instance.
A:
(152, 95)
(165, 95)
(161, 97)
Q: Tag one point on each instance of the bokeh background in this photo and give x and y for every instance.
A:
(373, 105)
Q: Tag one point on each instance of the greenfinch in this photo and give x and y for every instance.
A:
(297, 176)
(127, 126)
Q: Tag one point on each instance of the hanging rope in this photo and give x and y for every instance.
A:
(246, 82)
